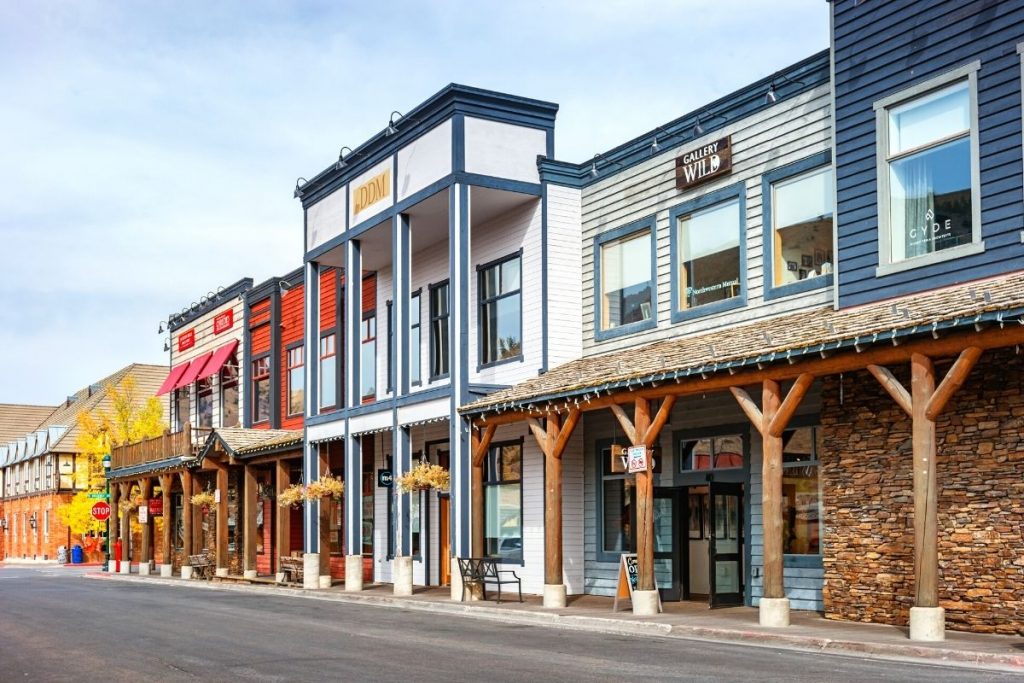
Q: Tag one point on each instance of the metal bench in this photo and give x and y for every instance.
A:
(202, 566)
(291, 567)
(481, 571)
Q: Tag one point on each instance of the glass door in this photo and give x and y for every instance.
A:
(726, 546)
(666, 545)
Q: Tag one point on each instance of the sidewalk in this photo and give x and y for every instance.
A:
(808, 630)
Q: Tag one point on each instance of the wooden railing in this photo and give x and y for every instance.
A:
(168, 445)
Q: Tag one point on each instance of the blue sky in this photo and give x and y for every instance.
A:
(150, 149)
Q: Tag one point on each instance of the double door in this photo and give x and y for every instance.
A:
(698, 549)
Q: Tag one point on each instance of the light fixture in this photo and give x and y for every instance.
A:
(593, 166)
(655, 147)
(167, 345)
(32, 521)
(298, 187)
(769, 97)
(106, 462)
(698, 129)
(391, 129)
(161, 330)
(341, 158)
(284, 286)
(3, 524)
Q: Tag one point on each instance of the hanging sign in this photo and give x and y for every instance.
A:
(385, 479)
(224, 321)
(636, 459)
(629, 577)
(186, 340)
(143, 514)
(704, 163)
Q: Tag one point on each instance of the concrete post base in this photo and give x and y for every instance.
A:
(126, 568)
(645, 603)
(186, 572)
(928, 624)
(311, 571)
(401, 570)
(353, 573)
(774, 612)
(143, 568)
(554, 595)
(249, 574)
(222, 572)
(166, 570)
(279, 577)
(325, 580)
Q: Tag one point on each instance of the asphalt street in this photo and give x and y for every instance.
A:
(56, 625)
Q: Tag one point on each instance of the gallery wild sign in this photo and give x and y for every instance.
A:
(704, 163)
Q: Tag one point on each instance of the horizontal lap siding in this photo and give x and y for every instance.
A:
(919, 41)
(792, 130)
(429, 266)
(292, 332)
(328, 299)
(565, 274)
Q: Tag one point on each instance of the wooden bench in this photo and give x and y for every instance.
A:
(480, 571)
(291, 567)
(202, 566)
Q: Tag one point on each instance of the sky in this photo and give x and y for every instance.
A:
(150, 149)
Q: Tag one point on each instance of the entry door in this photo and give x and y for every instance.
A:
(726, 546)
(666, 543)
(444, 542)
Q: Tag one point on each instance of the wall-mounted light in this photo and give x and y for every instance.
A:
(655, 147)
(341, 157)
(3, 523)
(299, 183)
(161, 330)
(284, 286)
(392, 129)
(593, 166)
(32, 521)
(167, 344)
(770, 97)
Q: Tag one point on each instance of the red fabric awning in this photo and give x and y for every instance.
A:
(193, 370)
(172, 378)
(220, 357)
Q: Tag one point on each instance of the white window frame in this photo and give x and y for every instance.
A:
(886, 266)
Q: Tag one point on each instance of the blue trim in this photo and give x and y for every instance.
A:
(458, 143)
(405, 262)
(495, 183)
(545, 351)
(354, 497)
(813, 162)
(383, 405)
(312, 342)
(649, 224)
(403, 461)
(460, 393)
(354, 311)
(733, 192)
(243, 371)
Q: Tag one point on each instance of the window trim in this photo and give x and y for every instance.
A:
(815, 162)
(324, 334)
(252, 387)
(431, 377)
(737, 192)
(481, 271)
(600, 553)
(418, 324)
(288, 367)
(368, 315)
(649, 224)
(521, 442)
(204, 388)
(223, 385)
(886, 266)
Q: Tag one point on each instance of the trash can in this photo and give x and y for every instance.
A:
(77, 555)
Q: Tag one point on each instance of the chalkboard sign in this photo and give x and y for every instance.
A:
(629, 577)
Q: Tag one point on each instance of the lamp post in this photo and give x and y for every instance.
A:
(106, 477)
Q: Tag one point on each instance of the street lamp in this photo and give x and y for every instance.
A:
(106, 477)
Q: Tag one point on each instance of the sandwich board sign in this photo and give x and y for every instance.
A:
(629, 575)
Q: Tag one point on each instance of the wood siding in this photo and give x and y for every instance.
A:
(884, 48)
(565, 273)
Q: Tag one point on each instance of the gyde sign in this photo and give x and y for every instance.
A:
(704, 163)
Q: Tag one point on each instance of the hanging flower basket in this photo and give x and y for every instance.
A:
(423, 477)
(202, 499)
(292, 497)
(327, 486)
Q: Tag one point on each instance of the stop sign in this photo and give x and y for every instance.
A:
(101, 511)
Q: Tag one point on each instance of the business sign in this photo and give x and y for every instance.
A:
(156, 506)
(704, 163)
(186, 340)
(372, 191)
(629, 580)
(101, 511)
(143, 514)
(636, 459)
(385, 479)
(224, 322)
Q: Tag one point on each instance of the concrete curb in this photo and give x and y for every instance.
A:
(931, 655)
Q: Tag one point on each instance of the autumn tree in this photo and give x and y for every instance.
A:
(130, 417)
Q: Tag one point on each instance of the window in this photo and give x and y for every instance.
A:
(801, 218)
(328, 371)
(709, 257)
(261, 389)
(368, 358)
(626, 279)
(415, 522)
(181, 408)
(296, 380)
(928, 172)
(415, 352)
(177, 503)
(801, 497)
(204, 402)
(616, 504)
(229, 393)
(501, 324)
(713, 453)
(503, 502)
(369, 486)
(439, 330)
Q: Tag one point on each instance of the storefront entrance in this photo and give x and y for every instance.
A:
(699, 544)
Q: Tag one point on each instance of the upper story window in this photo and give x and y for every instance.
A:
(415, 341)
(296, 380)
(501, 308)
(261, 389)
(715, 453)
(368, 357)
(181, 407)
(229, 393)
(625, 261)
(439, 330)
(328, 371)
(708, 262)
(204, 402)
(929, 198)
(801, 221)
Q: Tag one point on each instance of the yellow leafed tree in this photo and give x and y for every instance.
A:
(129, 418)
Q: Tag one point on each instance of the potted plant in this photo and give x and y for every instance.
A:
(424, 476)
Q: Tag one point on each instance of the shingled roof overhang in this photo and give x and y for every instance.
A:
(154, 467)
(782, 340)
(242, 443)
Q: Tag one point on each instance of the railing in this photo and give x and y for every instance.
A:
(168, 445)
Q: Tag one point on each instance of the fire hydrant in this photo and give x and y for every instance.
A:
(117, 556)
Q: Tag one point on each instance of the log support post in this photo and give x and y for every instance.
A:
(250, 502)
(146, 551)
(187, 517)
(166, 526)
(126, 530)
(222, 520)
(282, 517)
(924, 403)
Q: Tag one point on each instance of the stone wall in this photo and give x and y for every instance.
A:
(868, 499)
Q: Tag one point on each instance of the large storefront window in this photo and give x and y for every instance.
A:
(627, 281)
(709, 255)
(204, 402)
(229, 394)
(802, 224)
(616, 505)
(712, 453)
(503, 502)
(181, 408)
(501, 311)
(801, 497)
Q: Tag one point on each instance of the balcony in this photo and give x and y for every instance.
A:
(181, 444)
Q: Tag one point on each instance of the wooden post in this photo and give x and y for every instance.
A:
(552, 505)
(771, 493)
(644, 507)
(481, 444)
(249, 528)
(167, 526)
(283, 515)
(222, 520)
(126, 524)
(186, 513)
(926, 551)
(146, 552)
(198, 520)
